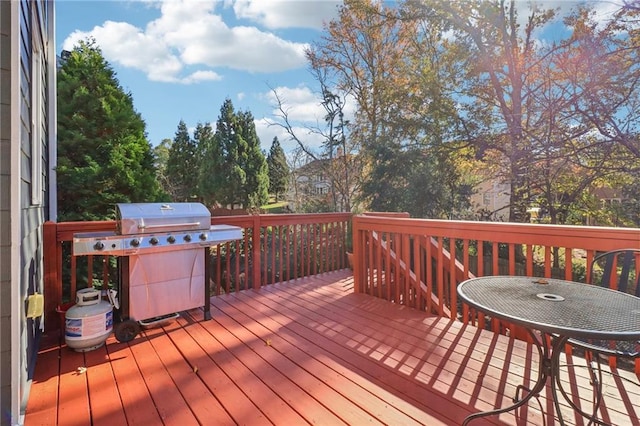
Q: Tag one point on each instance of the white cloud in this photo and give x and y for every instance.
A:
(123, 43)
(266, 131)
(199, 76)
(188, 41)
(305, 114)
(604, 10)
(304, 106)
(274, 14)
(244, 48)
(300, 103)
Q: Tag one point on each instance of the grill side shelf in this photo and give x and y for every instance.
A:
(105, 243)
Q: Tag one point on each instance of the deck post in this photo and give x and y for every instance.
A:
(52, 291)
(255, 252)
(357, 255)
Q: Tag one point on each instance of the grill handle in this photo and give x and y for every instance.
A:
(168, 225)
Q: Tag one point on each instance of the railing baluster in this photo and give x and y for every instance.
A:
(512, 259)
(417, 290)
(73, 284)
(453, 293)
(529, 269)
(568, 262)
(547, 261)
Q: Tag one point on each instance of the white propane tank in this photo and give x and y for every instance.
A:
(89, 322)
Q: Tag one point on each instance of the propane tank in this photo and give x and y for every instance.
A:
(89, 322)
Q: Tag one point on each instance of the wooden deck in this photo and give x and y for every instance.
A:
(301, 352)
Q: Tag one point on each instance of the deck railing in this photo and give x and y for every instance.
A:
(420, 262)
(416, 262)
(274, 248)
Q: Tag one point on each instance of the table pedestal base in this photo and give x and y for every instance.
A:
(549, 355)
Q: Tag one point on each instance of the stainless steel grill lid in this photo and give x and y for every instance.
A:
(145, 218)
(154, 227)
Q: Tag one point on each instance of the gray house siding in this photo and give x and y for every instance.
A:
(5, 207)
(26, 65)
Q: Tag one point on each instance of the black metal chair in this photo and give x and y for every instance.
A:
(619, 270)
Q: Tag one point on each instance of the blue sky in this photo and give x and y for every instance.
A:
(181, 59)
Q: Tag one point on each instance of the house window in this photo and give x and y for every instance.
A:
(486, 198)
(37, 116)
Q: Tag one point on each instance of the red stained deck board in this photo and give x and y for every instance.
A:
(501, 389)
(136, 400)
(336, 358)
(492, 349)
(275, 371)
(332, 357)
(508, 358)
(201, 403)
(171, 406)
(43, 399)
(353, 336)
(73, 400)
(293, 349)
(308, 383)
(404, 349)
(269, 402)
(407, 341)
(237, 404)
(106, 406)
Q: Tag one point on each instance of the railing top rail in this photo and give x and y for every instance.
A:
(387, 214)
(586, 237)
(65, 230)
(283, 219)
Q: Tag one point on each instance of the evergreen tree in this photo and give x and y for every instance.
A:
(231, 177)
(161, 153)
(209, 175)
(103, 154)
(182, 165)
(235, 170)
(255, 192)
(278, 169)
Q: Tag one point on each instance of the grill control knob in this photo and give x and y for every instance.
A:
(153, 241)
(98, 245)
(135, 242)
(187, 238)
(203, 236)
(171, 239)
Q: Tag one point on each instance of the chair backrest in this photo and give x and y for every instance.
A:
(617, 269)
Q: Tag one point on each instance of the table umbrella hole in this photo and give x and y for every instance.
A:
(550, 297)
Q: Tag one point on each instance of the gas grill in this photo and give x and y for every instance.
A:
(163, 259)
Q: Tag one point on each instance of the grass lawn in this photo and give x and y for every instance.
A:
(279, 207)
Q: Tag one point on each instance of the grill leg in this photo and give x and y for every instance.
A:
(123, 267)
(207, 283)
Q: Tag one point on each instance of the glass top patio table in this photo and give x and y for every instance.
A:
(559, 310)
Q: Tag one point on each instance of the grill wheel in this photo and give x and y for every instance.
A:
(126, 331)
